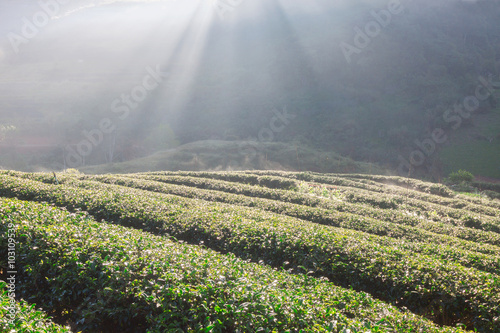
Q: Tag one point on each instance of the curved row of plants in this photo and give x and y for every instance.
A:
(109, 278)
(444, 291)
(405, 187)
(381, 202)
(387, 179)
(330, 211)
(265, 180)
(370, 197)
(436, 193)
(415, 230)
(248, 177)
(479, 206)
(487, 186)
(20, 317)
(473, 219)
(364, 181)
(392, 225)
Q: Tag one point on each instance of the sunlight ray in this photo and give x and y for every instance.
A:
(185, 58)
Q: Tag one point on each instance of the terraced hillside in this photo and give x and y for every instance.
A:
(249, 252)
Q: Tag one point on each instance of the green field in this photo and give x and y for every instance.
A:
(266, 251)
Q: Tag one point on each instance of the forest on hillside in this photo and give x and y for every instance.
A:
(385, 82)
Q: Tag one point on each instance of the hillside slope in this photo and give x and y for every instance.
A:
(238, 155)
(231, 79)
(281, 250)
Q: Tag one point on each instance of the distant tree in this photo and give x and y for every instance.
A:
(460, 176)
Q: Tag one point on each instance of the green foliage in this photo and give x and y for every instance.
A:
(492, 194)
(460, 176)
(27, 319)
(72, 171)
(108, 278)
(438, 280)
(495, 187)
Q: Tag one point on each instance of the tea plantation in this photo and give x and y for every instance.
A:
(242, 252)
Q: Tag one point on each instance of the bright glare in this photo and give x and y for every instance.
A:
(365, 78)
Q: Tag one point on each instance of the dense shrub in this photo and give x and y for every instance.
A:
(438, 285)
(114, 279)
(26, 319)
(460, 176)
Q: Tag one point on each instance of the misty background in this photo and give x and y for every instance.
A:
(222, 76)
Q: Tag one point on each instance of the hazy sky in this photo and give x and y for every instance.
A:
(77, 54)
(85, 51)
(79, 51)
